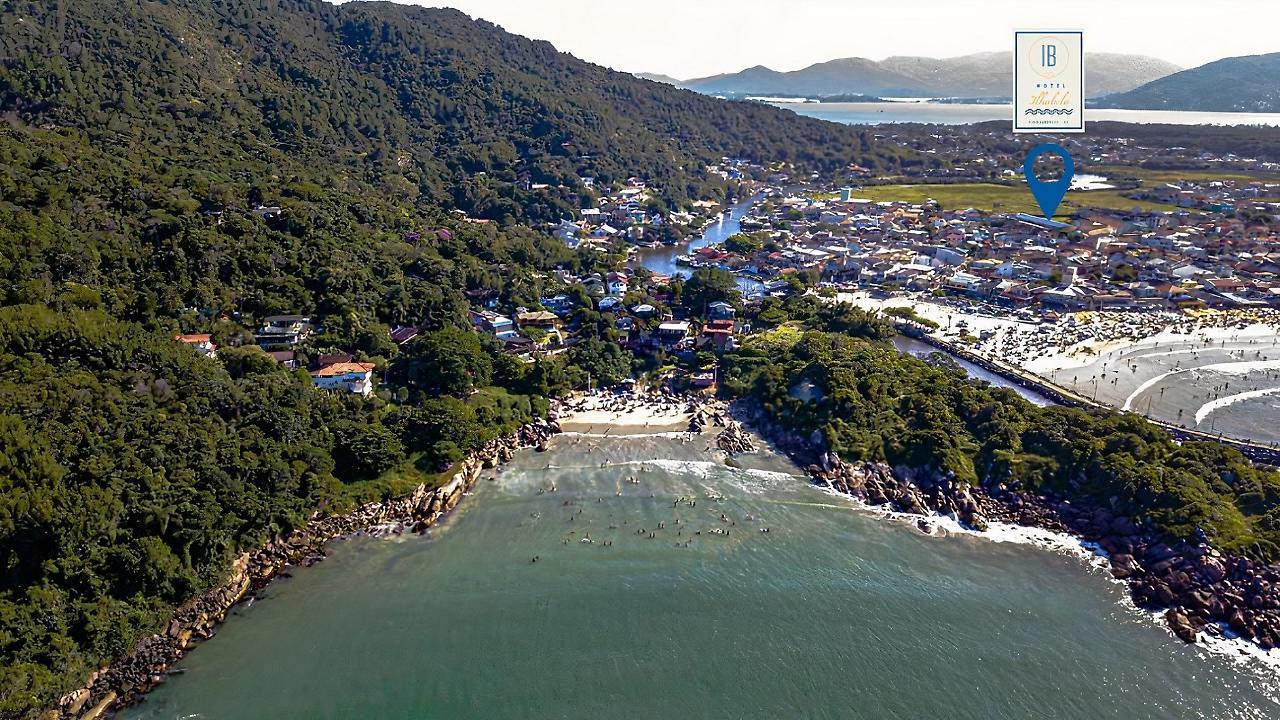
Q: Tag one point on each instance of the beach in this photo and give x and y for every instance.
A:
(561, 572)
(1209, 370)
(629, 413)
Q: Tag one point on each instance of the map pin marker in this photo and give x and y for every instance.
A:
(1049, 194)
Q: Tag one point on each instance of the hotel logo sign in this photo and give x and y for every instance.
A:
(1048, 81)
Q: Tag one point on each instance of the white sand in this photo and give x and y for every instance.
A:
(1077, 339)
(598, 415)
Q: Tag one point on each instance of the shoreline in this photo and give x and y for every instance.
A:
(1219, 639)
(126, 680)
(1196, 593)
(1199, 593)
(1079, 337)
(1068, 362)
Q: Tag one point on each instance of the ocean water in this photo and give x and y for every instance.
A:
(958, 114)
(834, 612)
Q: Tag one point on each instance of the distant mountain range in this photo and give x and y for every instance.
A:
(1238, 84)
(978, 75)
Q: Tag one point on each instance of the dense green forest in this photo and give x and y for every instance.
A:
(422, 102)
(141, 139)
(132, 469)
(865, 400)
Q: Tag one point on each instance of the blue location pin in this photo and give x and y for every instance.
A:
(1049, 194)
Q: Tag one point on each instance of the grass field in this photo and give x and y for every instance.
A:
(1150, 177)
(1000, 198)
(1017, 198)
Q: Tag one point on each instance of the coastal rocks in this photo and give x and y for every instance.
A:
(901, 488)
(1197, 588)
(1180, 625)
(735, 440)
(1123, 565)
(125, 680)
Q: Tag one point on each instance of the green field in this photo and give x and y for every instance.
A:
(1016, 198)
(1149, 177)
(1000, 198)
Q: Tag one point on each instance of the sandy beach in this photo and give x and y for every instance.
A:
(1077, 339)
(1212, 370)
(625, 413)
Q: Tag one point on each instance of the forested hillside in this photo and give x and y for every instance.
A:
(420, 101)
(182, 166)
(1235, 84)
(131, 123)
(871, 402)
(185, 166)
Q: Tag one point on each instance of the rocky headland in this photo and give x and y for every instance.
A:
(1195, 587)
(126, 680)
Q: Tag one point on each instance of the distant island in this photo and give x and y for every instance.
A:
(1237, 84)
(977, 75)
(1113, 81)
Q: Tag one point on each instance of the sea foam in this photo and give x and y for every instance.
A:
(1224, 642)
(1214, 405)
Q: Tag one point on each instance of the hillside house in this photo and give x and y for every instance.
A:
(353, 377)
(284, 331)
(201, 343)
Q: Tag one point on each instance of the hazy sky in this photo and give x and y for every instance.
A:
(693, 38)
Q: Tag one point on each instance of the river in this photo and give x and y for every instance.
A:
(662, 260)
(833, 613)
(921, 349)
(875, 113)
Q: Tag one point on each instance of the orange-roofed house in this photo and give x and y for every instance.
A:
(201, 343)
(355, 377)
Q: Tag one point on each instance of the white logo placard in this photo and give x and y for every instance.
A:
(1048, 81)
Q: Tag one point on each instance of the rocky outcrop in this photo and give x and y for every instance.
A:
(1199, 587)
(1196, 587)
(734, 439)
(704, 414)
(128, 678)
(902, 488)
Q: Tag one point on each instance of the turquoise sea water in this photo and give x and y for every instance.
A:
(832, 613)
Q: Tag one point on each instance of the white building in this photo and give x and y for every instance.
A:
(201, 343)
(355, 377)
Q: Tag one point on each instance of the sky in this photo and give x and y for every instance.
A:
(695, 38)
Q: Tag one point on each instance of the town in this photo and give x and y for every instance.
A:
(1182, 245)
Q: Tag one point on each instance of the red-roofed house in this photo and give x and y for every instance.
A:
(201, 343)
(355, 377)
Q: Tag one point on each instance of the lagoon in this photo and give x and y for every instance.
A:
(875, 113)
